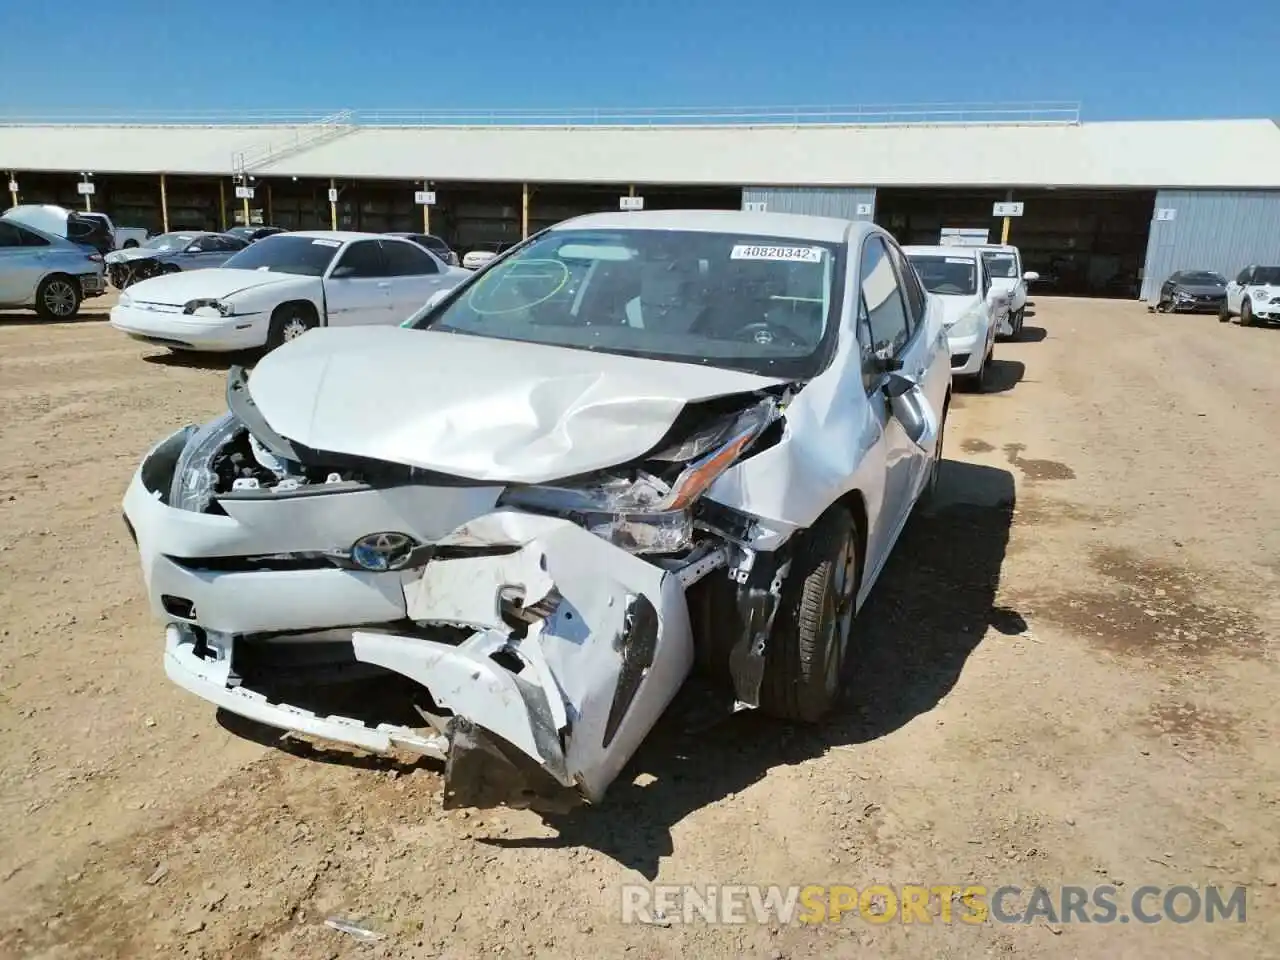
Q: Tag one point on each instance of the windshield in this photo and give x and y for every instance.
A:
(759, 304)
(170, 241)
(1203, 277)
(948, 276)
(1001, 266)
(283, 253)
(1266, 275)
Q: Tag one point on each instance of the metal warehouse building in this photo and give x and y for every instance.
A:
(1109, 208)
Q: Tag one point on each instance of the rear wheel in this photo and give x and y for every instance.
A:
(809, 645)
(58, 297)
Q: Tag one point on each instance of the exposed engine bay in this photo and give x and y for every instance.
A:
(125, 273)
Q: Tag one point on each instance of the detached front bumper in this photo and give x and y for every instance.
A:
(537, 707)
(191, 333)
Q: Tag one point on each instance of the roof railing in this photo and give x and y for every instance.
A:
(291, 140)
(1031, 112)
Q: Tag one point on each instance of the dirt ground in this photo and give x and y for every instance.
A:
(1067, 675)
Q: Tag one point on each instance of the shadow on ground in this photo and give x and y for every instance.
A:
(1004, 375)
(18, 318)
(1032, 334)
(928, 612)
(201, 360)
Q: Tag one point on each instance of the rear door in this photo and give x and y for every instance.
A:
(414, 275)
(357, 291)
(22, 256)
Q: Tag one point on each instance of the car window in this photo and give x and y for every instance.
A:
(915, 295)
(203, 244)
(1243, 278)
(886, 311)
(986, 278)
(1270, 275)
(226, 244)
(406, 259)
(10, 236)
(1000, 264)
(364, 258)
(762, 304)
(946, 275)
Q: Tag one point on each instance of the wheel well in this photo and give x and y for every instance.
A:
(304, 305)
(857, 506)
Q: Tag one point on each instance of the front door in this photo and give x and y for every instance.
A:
(21, 267)
(357, 291)
(1236, 288)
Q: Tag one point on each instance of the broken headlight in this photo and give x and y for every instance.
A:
(194, 478)
(205, 307)
(641, 512)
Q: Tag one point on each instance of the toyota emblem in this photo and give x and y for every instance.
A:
(381, 552)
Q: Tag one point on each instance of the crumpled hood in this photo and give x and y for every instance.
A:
(213, 282)
(1202, 289)
(137, 253)
(485, 409)
(954, 306)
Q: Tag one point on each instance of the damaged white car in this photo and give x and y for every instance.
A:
(638, 442)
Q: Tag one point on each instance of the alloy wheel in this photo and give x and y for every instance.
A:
(60, 298)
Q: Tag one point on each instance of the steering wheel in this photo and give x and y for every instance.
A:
(766, 332)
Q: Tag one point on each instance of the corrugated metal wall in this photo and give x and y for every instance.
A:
(1222, 230)
(851, 203)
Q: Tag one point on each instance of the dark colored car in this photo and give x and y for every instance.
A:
(1193, 291)
(171, 253)
(432, 244)
(250, 234)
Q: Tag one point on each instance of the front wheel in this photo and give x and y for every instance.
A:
(1223, 314)
(289, 323)
(1246, 314)
(58, 297)
(809, 645)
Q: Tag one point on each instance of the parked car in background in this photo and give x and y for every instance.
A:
(518, 536)
(171, 253)
(86, 230)
(1004, 264)
(1253, 296)
(972, 306)
(432, 243)
(250, 234)
(122, 238)
(282, 286)
(482, 253)
(1193, 291)
(46, 273)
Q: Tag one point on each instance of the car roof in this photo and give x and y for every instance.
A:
(343, 235)
(939, 250)
(797, 226)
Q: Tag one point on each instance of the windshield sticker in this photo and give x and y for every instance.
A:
(744, 251)
(326, 243)
(517, 285)
(958, 260)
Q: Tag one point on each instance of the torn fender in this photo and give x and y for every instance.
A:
(581, 688)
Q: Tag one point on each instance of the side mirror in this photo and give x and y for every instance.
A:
(884, 362)
(895, 385)
(1030, 276)
(192, 249)
(341, 272)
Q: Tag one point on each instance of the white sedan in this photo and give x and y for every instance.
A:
(1004, 263)
(640, 442)
(281, 287)
(973, 307)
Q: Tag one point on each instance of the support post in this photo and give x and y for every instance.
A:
(524, 211)
(426, 209)
(333, 206)
(164, 205)
(222, 207)
(13, 194)
(1004, 229)
(271, 217)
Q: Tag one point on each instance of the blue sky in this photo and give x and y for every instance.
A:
(1122, 58)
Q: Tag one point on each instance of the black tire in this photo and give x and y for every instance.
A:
(289, 322)
(1246, 313)
(929, 495)
(978, 382)
(1223, 313)
(130, 244)
(58, 297)
(1162, 306)
(1018, 317)
(807, 650)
